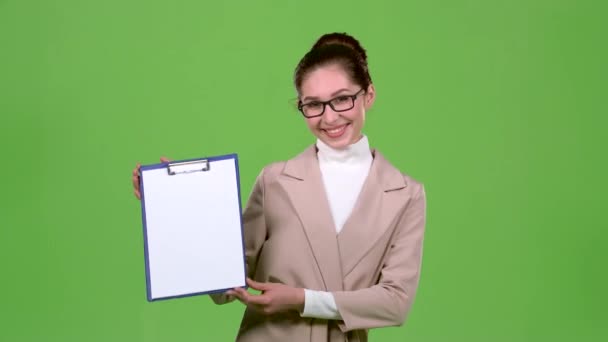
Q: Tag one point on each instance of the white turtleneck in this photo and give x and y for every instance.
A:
(343, 172)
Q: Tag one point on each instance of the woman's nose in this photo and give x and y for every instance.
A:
(330, 116)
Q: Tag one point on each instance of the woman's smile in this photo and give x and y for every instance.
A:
(335, 132)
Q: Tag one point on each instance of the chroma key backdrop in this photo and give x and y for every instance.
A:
(498, 107)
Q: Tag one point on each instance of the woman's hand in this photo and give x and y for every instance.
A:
(136, 177)
(275, 298)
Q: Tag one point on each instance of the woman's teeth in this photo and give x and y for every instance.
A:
(336, 132)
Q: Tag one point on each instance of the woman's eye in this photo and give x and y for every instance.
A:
(314, 105)
(341, 99)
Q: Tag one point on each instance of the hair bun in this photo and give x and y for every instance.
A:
(335, 48)
(342, 39)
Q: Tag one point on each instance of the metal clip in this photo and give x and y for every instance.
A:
(188, 167)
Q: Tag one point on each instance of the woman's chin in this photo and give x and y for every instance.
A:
(337, 144)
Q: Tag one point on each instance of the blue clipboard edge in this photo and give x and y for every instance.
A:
(211, 159)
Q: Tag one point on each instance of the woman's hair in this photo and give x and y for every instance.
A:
(335, 48)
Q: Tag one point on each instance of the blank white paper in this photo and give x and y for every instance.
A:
(193, 228)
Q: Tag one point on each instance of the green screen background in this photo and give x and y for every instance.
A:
(498, 107)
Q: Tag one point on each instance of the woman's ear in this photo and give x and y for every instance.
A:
(370, 96)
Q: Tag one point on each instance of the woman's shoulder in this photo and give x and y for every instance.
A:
(273, 169)
(389, 170)
(292, 166)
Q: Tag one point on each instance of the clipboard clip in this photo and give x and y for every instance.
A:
(188, 167)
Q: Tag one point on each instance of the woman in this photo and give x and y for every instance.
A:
(333, 237)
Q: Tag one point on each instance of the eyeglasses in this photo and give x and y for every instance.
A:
(341, 103)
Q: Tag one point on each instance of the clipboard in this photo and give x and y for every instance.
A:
(192, 225)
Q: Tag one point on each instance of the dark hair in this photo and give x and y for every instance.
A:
(336, 48)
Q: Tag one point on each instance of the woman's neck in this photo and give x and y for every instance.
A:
(353, 153)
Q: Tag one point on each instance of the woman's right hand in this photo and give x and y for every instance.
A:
(136, 177)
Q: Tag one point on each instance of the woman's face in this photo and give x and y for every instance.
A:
(336, 129)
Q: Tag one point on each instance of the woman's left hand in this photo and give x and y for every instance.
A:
(275, 298)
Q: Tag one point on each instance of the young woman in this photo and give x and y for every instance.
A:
(333, 236)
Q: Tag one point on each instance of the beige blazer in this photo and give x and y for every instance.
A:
(372, 266)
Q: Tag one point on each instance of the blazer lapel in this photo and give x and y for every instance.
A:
(304, 187)
(375, 210)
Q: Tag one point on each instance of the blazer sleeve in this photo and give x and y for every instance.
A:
(254, 230)
(388, 302)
